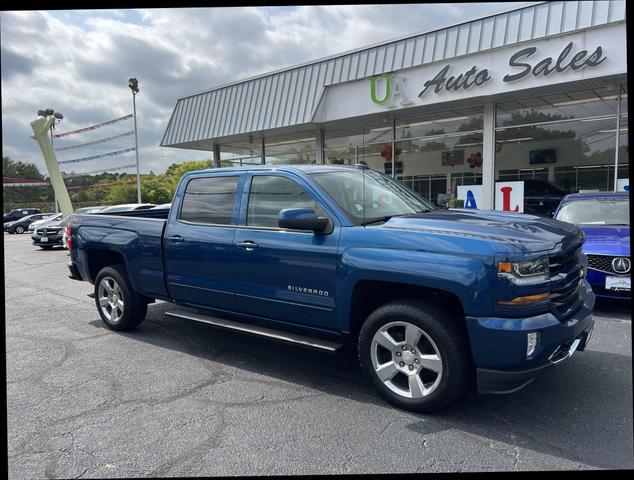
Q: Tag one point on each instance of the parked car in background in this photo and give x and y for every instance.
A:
(162, 205)
(127, 207)
(51, 234)
(542, 197)
(52, 217)
(604, 218)
(19, 213)
(22, 225)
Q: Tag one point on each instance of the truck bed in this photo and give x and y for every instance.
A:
(131, 238)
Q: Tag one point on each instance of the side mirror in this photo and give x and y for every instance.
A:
(302, 219)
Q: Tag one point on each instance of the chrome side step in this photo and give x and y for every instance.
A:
(257, 330)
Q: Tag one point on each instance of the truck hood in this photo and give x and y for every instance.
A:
(526, 233)
(607, 239)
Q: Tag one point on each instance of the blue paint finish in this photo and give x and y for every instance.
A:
(500, 343)
(307, 280)
(609, 240)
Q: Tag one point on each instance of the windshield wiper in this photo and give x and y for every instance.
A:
(377, 220)
(387, 217)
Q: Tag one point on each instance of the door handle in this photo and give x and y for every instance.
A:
(248, 245)
(176, 239)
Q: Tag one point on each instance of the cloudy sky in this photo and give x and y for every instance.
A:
(78, 62)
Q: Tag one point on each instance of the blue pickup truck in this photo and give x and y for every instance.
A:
(436, 302)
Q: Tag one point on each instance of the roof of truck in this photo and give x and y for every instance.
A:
(280, 168)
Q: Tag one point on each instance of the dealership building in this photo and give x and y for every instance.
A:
(537, 95)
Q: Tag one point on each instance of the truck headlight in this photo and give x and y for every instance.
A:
(530, 268)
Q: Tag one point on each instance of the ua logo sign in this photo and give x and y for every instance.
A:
(392, 88)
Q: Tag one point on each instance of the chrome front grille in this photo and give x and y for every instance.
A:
(603, 263)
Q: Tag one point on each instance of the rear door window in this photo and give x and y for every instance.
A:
(209, 200)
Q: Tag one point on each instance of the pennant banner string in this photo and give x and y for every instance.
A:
(103, 140)
(93, 127)
(95, 157)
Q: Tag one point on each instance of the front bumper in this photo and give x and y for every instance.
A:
(596, 278)
(499, 345)
(52, 239)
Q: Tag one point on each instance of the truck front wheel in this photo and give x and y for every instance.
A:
(119, 306)
(416, 355)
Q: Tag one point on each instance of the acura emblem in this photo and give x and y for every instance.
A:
(621, 265)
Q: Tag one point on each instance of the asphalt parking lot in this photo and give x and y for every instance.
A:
(178, 398)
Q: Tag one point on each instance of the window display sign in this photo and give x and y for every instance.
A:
(623, 185)
(509, 196)
(538, 157)
(452, 157)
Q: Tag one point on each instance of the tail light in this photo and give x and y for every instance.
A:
(69, 240)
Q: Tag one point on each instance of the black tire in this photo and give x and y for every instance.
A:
(450, 339)
(46, 247)
(134, 306)
(19, 229)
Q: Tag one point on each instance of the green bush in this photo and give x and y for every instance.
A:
(456, 203)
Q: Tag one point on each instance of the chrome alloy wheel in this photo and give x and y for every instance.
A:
(406, 360)
(110, 299)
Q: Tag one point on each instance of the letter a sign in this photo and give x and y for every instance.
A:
(509, 196)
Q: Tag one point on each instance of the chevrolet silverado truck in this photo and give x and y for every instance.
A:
(435, 302)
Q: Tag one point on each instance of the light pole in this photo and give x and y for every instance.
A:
(133, 83)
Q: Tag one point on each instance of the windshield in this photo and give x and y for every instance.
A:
(384, 196)
(596, 211)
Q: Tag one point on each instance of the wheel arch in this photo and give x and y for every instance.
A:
(368, 295)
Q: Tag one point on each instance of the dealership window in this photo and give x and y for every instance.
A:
(247, 152)
(290, 151)
(561, 143)
(437, 153)
(361, 142)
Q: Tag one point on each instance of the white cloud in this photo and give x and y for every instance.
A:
(78, 62)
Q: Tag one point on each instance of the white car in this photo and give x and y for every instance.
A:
(127, 207)
(54, 217)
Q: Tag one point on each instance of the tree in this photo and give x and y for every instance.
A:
(122, 192)
(155, 189)
(20, 169)
(22, 197)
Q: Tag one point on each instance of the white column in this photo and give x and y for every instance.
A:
(618, 141)
(488, 158)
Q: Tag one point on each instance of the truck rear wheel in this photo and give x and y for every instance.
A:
(415, 355)
(119, 306)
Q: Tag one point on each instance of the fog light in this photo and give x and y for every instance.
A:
(532, 339)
